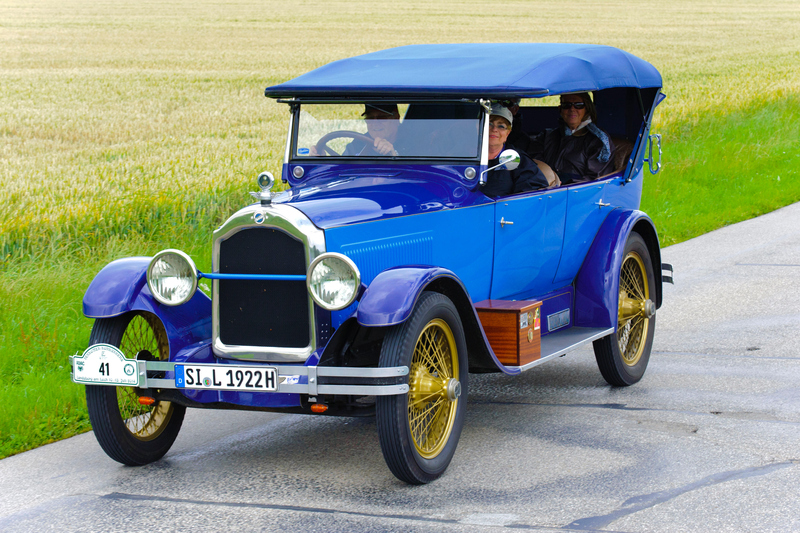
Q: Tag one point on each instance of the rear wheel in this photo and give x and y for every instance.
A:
(129, 432)
(623, 357)
(419, 431)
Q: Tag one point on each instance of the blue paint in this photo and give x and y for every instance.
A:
(597, 284)
(527, 252)
(337, 195)
(471, 70)
(392, 295)
(280, 277)
(420, 239)
(114, 288)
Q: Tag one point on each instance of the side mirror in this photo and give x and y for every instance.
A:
(508, 160)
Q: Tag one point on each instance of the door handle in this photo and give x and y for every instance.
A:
(601, 204)
(503, 222)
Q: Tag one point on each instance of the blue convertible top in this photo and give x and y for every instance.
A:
(474, 71)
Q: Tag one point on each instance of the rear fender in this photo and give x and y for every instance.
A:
(597, 283)
(391, 297)
(121, 287)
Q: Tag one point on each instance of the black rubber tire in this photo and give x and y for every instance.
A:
(608, 352)
(400, 451)
(161, 422)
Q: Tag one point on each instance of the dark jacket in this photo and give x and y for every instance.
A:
(526, 177)
(576, 157)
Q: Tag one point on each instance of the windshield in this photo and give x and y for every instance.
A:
(388, 130)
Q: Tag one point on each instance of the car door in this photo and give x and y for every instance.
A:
(585, 212)
(528, 237)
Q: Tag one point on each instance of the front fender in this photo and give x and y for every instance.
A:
(121, 286)
(113, 289)
(597, 283)
(391, 296)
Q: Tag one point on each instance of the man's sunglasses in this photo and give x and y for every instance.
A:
(576, 105)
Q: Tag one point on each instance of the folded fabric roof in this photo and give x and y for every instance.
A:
(473, 71)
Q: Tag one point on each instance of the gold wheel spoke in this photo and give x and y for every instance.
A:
(427, 410)
(444, 368)
(425, 399)
(422, 423)
(632, 328)
(425, 352)
(431, 414)
(143, 333)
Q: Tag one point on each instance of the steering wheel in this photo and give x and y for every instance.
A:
(322, 144)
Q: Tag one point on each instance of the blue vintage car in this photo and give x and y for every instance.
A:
(383, 275)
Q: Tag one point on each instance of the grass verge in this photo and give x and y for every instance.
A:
(727, 168)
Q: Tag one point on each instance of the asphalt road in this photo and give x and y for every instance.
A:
(709, 440)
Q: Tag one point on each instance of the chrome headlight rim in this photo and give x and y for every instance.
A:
(185, 257)
(350, 264)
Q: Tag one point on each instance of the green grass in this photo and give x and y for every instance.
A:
(725, 169)
(126, 128)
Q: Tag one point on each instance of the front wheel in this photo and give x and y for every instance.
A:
(129, 432)
(623, 358)
(419, 431)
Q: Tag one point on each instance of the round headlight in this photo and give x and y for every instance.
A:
(172, 277)
(333, 281)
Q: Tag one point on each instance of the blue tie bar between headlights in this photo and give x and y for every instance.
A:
(277, 277)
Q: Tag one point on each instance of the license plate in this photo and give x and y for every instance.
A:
(103, 364)
(226, 377)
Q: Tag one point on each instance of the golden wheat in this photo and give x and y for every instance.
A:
(110, 114)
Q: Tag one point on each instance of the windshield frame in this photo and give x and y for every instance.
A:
(294, 132)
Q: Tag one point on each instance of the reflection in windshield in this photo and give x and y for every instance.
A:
(417, 130)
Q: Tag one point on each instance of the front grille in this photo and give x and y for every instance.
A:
(263, 313)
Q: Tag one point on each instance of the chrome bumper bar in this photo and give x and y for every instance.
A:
(348, 380)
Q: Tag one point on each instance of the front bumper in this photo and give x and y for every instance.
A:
(291, 379)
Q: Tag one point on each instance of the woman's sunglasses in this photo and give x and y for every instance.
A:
(576, 105)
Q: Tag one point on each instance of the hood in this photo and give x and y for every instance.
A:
(337, 198)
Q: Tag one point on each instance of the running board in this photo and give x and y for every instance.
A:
(562, 342)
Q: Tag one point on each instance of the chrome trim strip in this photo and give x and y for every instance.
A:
(563, 342)
(286, 371)
(296, 224)
(293, 370)
(356, 390)
(356, 372)
(312, 380)
(364, 390)
(485, 144)
(287, 153)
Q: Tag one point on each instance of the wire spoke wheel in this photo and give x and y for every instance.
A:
(129, 432)
(144, 338)
(634, 293)
(419, 431)
(622, 358)
(430, 412)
